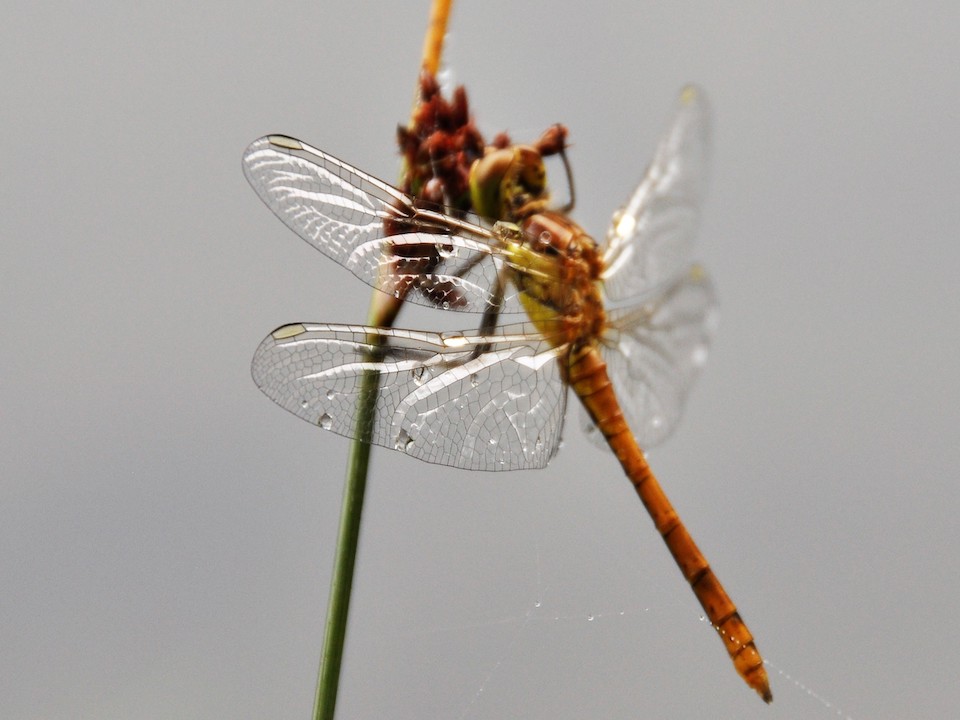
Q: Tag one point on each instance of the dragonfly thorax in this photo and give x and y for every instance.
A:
(558, 273)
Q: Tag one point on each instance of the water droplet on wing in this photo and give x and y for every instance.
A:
(404, 441)
(420, 375)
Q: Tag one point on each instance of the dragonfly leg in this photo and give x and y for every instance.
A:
(488, 321)
(573, 196)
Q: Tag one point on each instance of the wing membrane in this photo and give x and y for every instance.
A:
(474, 402)
(374, 230)
(654, 353)
(650, 240)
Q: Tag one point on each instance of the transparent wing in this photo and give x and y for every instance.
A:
(653, 354)
(374, 230)
(649, 242)
(473, 402)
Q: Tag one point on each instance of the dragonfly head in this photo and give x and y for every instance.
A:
(509, 183)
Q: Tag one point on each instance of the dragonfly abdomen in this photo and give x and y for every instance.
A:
(587, 374)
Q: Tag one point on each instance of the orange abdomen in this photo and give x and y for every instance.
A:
(587, 375)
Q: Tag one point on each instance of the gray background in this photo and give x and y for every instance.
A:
(167, 532)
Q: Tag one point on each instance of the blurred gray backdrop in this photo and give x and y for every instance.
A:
(167, 532)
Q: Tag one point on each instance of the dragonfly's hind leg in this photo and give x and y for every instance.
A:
(488, 321)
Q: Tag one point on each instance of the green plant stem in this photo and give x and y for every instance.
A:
(342, 581)
(383, 311)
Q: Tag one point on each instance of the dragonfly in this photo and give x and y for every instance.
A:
(624, 324)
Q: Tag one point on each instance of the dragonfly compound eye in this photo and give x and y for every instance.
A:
(505, 183)
(487, 176)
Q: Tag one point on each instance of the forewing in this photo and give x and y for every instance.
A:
(373, 229)
(479, 403)
(654, 353)
(650, 240)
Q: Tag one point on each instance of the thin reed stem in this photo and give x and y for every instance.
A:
(383, 311)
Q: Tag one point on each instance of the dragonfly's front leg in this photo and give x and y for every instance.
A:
(568, 206)
(554, 142)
